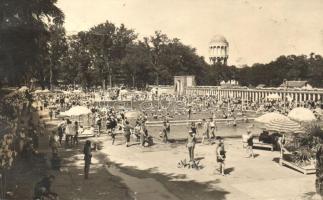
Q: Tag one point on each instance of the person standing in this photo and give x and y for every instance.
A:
(60, 131)
(250, 145)
(76, 133)
(127, 132)
(193, 128)
(87, 158)
(113, 126)
(220, 156)
(99, 124)
(68, 132)
(164, 131)
(53, 143)
(167, 127)
(205, 130)
(189, 111)
(142, 132)
(191, 140)
(213, 127)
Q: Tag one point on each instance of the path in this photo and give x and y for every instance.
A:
(69, 183)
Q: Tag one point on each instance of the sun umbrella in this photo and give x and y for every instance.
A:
(133, 114)
(23, 88)
(284, 125)
(266, 118)
(301, 114)
(77, 91)
(77, 111)
(41, 91)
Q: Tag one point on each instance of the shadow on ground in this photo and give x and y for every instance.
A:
(172, 183)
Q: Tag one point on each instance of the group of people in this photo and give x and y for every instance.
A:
(219, 150)
(208, 130)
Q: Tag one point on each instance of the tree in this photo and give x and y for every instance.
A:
(108, 43)
(158, 42)
(23, 37)
(58, 49)
(137, 65)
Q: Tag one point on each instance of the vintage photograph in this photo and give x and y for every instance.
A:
(161, 100)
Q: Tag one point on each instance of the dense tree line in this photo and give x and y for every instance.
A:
(292, 67)
(113, 55)
(34, 45)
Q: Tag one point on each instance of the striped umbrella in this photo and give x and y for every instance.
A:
(266, 118)
(285, 126)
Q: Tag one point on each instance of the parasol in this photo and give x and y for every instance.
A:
(76, 111)
(301, 114)
(266, 118)
(284, 125)
(41, 91)
(133, 114)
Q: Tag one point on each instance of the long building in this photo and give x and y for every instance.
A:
(298, 95)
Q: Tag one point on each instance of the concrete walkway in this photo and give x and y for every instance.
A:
(259, 178)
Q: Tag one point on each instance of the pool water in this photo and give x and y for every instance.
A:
(224, 130)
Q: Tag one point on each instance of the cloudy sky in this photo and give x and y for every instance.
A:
(257, 30)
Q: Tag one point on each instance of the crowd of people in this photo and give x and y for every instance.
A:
(112, 119)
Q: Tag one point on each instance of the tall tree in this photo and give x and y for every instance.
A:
(23, 37)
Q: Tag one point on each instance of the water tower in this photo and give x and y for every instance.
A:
(218, 50)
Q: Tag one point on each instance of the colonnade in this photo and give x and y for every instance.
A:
(256, 94)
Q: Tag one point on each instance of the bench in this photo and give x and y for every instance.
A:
(257, 143)
(303, 169)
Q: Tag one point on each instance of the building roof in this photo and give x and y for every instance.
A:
(294, 84)
(219, 40)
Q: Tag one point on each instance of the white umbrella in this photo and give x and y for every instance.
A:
(23, 89)
(301, 114)
(285, 126)
(266, 118)
(41, 91)
(104, 109)
(77, 111)
(77, 91)
(133, 114)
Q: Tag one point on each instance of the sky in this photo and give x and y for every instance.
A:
(258, 31)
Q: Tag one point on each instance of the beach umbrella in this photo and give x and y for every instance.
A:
(133, 114)
(266, 118)
(23, 89)
(76, 111)
(104, 109)
(41, 91)
(77, 91)
(301, 114)
(284, 125)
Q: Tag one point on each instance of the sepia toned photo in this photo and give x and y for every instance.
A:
(161, 100)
